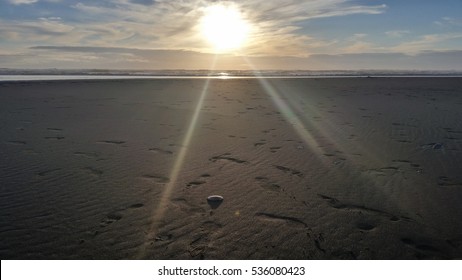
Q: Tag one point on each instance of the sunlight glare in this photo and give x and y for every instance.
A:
(224, 27)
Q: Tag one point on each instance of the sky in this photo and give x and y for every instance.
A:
(282, 34)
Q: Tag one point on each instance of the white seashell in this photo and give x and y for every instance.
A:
(215, 198)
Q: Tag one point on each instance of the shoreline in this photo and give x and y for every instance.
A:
(46, 78)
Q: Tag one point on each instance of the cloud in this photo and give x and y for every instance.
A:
(162, 24)
(425, 42)
(277, 23)
(148, 34)
(397, 33)
(175, 24)
(431, 60)
(449, 22)
(143, 2)
(361, 43)
(72, 57)
(42, 29)
(20, 2)
(359, 47)
(358, 36)
(68, 57)
(293, 11)
(26, 2)
(358, 43)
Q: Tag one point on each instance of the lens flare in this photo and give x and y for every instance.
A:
(224, 27)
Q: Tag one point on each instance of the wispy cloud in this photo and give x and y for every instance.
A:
(446, 60)
(360, 47)
(25, 2)
(397, 33)
(146, 33)
(425, 42)
(20, 2)
(42, 29)
(131, 58)
(175, 24)
(277, 24)
(401, 41)
(357, 43)
(449, 22)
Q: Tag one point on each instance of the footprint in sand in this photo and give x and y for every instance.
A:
(93, 171)
(160, 151)
(15, 142)
(114, 142)
(162, 237)
(365, 226)
(260, 143)
(200, 181)
(289, 170)
(269, 217)
(211, 226)
(46, 172)
(433, 146)
(275, 149)
(226, 157)
(266, 184)
(404, 163)
(87, 155)
(444, 181)
(55, 137)
(186, 206)
(268, 130)
(117, 215)
(401, 161)
(318, 241)
(384, 171)
(338, 160)
(200, 242)
(136, 205)
(198, 246)
(334, 203)
(156, 178)
(422, 246)
(195, 183)
(451, 130)
(111, 218)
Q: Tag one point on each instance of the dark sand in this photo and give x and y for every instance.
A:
(349, 168)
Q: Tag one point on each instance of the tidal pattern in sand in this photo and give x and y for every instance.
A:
(349, 168)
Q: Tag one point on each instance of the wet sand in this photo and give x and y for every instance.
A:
(343, 168)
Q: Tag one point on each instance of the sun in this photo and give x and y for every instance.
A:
(224, 27)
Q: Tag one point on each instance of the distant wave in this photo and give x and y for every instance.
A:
(60, 74)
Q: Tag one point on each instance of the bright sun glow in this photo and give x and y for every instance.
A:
(224, 27)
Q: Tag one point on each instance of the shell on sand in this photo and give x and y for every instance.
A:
(215, 198)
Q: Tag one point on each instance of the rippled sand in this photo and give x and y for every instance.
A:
(351, 168)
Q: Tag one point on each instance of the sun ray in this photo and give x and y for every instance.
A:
(287, 112)
(159, 211)
(291, 118)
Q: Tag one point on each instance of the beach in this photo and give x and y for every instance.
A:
(308, 168)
